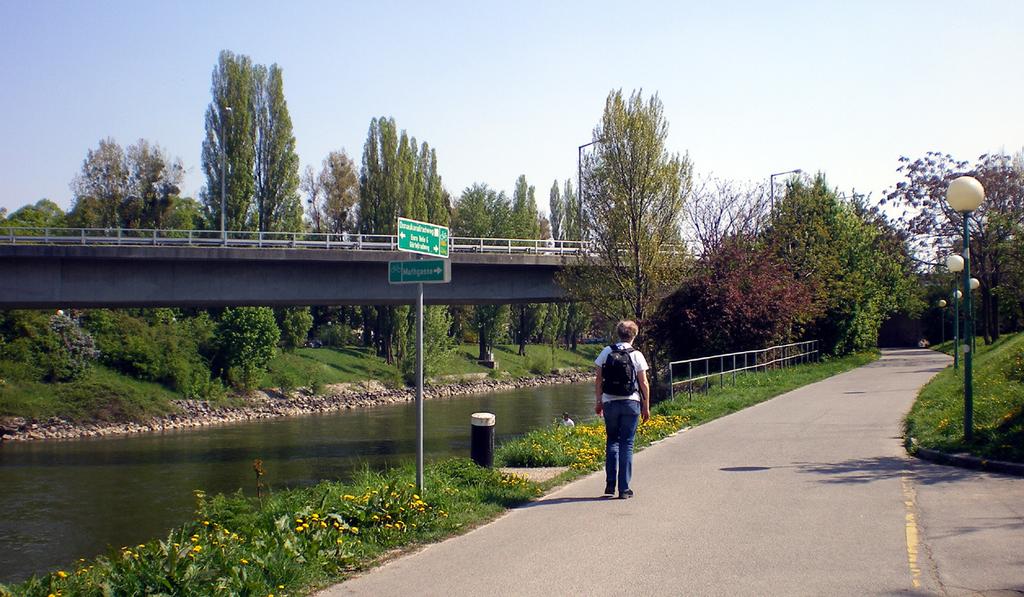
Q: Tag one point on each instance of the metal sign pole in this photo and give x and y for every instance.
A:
(419, 389)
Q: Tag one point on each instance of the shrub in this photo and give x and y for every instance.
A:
(334, 335)
(538, 364)
(295, 323)
(248, 338)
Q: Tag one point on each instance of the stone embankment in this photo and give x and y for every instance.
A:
(266, 405)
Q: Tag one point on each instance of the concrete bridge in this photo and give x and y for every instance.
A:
(53, 275)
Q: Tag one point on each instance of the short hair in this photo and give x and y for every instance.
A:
(627, 330)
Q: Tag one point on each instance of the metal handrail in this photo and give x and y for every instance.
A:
(249, 239)
(764, 358)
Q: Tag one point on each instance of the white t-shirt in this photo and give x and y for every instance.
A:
(639, 363)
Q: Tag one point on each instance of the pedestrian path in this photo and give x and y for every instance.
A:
(807, 494)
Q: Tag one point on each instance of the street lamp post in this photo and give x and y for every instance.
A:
(965, 194)
(975, 284)
(223, 180)
(955, 264)
(771, 184)
(942, 320)
(579, 184)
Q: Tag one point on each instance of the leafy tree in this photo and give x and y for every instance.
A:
(736, 298)
(855, 265)
(248, 338)
(523, 223)
(437, 344)
(43, 214)
(332, 195)
(721, 211)
(101, 186)
(231, 128)
(276, 165)
(556, 206)
(294, 323)
(185, 214)
(133, 188)
(154, 182)
(935, 230)
(483, 212)
(577, 320)
(635, 192)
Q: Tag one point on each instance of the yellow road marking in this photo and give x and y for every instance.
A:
(909, 499)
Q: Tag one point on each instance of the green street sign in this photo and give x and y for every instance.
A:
(423, 271)
(422, 238)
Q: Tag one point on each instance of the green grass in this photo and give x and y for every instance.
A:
(103, 394)
(936, 420)
(311, 366)
(339, 365)
(582, 447)
(513, 365)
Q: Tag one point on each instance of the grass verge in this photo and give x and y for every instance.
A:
(294, 541)
(936, 420)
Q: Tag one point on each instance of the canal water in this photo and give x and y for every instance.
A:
(65, 500)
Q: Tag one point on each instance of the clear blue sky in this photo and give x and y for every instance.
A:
(502, 89)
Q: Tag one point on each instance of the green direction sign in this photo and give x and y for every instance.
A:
(423, 271)
(422, 238)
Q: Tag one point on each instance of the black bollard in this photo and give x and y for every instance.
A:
(481, 446)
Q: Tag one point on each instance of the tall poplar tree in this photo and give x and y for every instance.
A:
(556, 208)
(276, 166)
(233, 132)
(394, 181)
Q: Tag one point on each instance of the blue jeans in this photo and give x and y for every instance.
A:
(620, 421)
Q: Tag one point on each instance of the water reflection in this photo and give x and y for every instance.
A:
(66, 500)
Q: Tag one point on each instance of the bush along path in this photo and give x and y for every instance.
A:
(936, 421)
(294, 541)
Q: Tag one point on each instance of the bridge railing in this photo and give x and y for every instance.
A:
(304, 240)
(701, 371)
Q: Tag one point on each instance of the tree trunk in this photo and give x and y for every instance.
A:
(522, 330)
(483, 345)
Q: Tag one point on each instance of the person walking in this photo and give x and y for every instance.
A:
(623, 396)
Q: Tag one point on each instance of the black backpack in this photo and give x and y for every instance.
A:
(618, 375)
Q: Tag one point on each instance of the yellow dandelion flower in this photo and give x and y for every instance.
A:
(62, 574)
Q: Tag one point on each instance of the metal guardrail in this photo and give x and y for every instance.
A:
(773, 357)
(249, 239)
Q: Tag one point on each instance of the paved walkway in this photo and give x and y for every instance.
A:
(808, 494)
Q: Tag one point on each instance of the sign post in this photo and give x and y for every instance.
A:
(421, 238)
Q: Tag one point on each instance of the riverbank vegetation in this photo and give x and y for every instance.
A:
(293, 541)
(937, 419)
(143, 367)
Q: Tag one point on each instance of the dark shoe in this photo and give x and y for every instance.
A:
(625, 495)
(609, 490)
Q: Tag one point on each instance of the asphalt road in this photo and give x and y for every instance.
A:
(808, 494)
